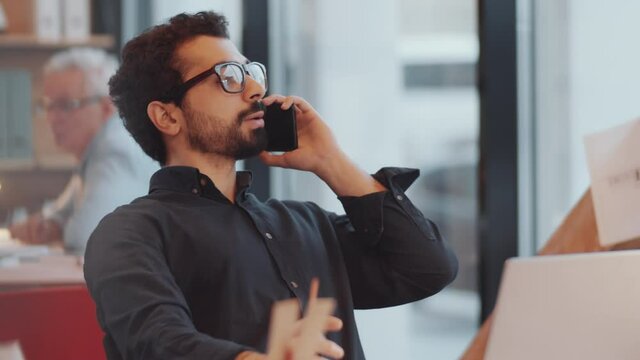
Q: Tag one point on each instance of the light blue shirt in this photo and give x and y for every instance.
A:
(113, 172)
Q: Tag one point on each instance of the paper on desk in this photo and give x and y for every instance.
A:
(15, 248)
(5, 235)
(613, 157)
(11, 250)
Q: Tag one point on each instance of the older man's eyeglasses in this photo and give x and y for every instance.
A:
(66, 105)
(231, 75)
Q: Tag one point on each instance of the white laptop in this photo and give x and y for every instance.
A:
(583, 306)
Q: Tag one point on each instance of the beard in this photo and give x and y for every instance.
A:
(213, 134)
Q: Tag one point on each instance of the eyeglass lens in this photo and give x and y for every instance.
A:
(232, 76)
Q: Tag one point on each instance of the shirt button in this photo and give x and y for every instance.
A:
(399, 197)
(269, 236)
(194, 190)
(294, 284)
(203, 182)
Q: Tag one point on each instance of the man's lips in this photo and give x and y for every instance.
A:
(256, 119)
(58, 133)
(258, 115)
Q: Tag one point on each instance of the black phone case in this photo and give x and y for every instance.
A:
(280, 126)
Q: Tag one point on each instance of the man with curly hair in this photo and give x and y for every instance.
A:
(191, 270)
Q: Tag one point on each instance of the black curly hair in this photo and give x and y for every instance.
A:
(150, 71)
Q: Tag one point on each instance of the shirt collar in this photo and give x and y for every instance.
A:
(94, 143)
(186, 179)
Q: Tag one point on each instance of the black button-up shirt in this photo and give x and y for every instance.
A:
(183, 273)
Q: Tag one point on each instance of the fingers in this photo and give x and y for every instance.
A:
(36, 230)
(19, 231)
(50, 231)
(27, 230)
(313, 293)
(313, 288)
(333, 324)
(35, 227)
(273, 98)
(288, 101)
(321, 345)
(39, 230)
(330, 349)
(324, 347)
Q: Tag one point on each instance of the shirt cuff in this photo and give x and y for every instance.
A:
(50, 212)
(366, 212)
(397, 179)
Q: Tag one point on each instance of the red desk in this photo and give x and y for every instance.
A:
(49, 270)
(45, 305)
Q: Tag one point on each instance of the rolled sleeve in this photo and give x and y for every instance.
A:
(393, 253)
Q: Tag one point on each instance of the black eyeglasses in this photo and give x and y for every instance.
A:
(231, 75)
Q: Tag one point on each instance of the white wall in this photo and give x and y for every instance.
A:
(344, 57)
(232, 9)
(604, 66)
(350, 59)
(345, 65)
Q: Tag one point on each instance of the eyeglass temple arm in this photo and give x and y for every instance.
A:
(177, 94)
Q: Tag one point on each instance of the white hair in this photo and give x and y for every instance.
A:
(96, 64)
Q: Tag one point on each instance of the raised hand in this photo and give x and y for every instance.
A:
(318, 152)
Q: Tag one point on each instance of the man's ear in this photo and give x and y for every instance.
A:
(165, 116)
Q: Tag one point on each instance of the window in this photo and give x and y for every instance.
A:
(395, 81)
(583, 79)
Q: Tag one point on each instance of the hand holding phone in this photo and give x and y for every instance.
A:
(280, 125)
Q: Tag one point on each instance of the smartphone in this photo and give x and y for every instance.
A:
(280, 125)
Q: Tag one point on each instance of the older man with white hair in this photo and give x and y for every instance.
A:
(112, 170)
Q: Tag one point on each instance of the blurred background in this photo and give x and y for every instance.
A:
(490, 100)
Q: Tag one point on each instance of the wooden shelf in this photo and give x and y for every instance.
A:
(51, 163)
(16, 164)
(31, 42)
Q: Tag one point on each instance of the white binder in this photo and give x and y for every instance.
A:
(48, 24)
(77, 21)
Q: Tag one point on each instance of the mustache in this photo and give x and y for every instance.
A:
(255, 107)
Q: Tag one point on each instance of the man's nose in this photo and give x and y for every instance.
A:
(253, 90)
(55, 116)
